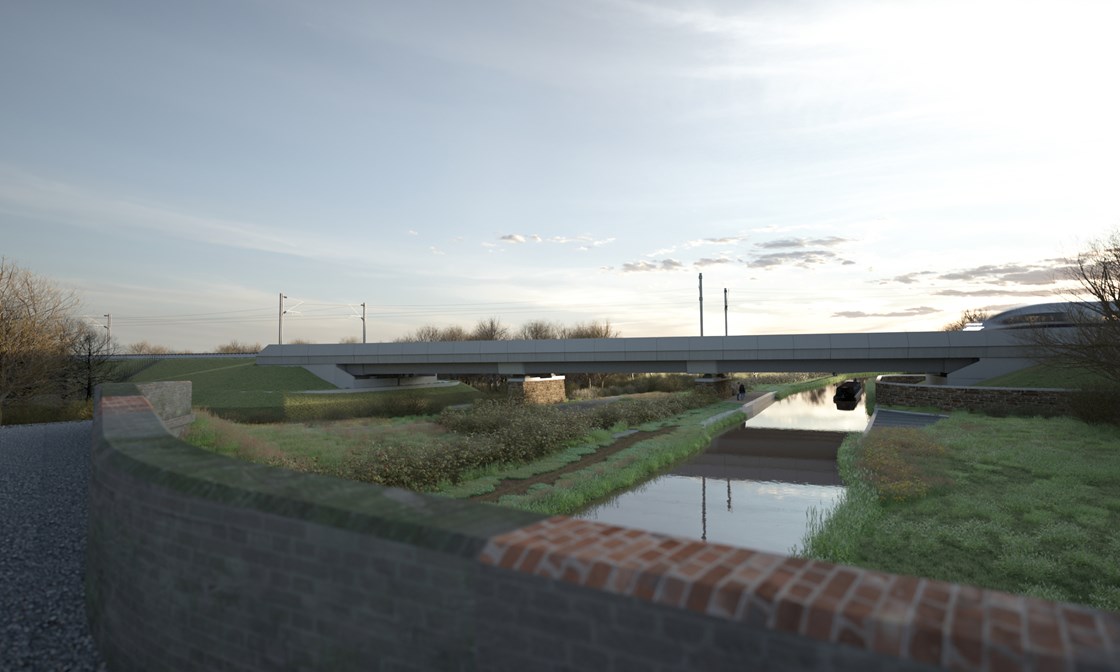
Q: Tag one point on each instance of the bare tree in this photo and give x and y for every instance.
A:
(490, 329)
(594, 329)
(1093, 342)
(967, 317)
(91, 358)
(35, 332)
(433, 334)
(539, 330)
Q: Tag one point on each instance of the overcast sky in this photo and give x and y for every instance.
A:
(836, 166)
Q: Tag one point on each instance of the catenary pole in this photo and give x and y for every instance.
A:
(701, 304)
(280, 331)
(724, 311)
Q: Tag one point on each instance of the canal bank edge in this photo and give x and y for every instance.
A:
(198, 561)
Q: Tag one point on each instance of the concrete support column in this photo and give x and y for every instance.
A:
(537, 389)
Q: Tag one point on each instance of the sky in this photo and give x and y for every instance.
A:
(847, 166)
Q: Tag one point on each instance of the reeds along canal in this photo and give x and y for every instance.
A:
(754, 484)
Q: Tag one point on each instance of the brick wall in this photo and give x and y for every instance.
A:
(199, 562)
(903, 391)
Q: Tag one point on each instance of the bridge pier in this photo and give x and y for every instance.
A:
(719, 384)
(537, 389)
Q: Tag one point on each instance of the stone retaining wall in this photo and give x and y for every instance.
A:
(531, 390)
(902, 391)
(200, 562)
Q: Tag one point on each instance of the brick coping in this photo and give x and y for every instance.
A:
(923, 620)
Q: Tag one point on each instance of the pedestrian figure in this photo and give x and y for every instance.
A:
(742, 392)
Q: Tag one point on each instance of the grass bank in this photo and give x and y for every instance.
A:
(577, 490)
(678, 438)
(428, 453)
(239, 390)
(1025, 505)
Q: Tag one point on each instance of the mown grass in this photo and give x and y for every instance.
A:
(1025, 505)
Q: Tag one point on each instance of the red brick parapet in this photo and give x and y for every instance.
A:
(920, 620)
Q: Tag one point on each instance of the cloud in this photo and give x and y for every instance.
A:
(26, 194)
(995, 292)
(646, 266)
(801, 243)
(712, 262)
(908, 278)
(1047, 272)
(412, 232)
(726, 240)
(582, 241)
(436, 251)
(800, 259)
(909, 312)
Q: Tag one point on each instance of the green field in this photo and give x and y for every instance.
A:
(1047, 376)
(1025, 505)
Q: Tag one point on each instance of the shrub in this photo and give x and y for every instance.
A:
(1097, 405)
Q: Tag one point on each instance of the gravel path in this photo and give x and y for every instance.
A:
(44, 496)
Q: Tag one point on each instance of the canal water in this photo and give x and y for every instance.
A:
(754, 485)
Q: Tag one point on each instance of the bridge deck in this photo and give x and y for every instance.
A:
(932, 352)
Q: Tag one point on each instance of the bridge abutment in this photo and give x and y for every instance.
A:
(537, 389)
(719, 384)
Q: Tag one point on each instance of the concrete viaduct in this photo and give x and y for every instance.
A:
(955, 358)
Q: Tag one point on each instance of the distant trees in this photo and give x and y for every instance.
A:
(146, 348)
(236, 347)
(492, 329)
(967, 317)
(1093, 344)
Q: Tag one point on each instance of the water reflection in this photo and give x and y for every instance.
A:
(753, 485)
(812, 410)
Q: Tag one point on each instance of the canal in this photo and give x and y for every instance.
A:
(754, 485)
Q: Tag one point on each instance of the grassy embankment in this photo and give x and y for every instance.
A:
(1025, 505)
(440, 453)
(237, 389)
(468, 454)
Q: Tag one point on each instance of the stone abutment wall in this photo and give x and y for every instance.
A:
(907, 391)
(533, 390)
(200, 562)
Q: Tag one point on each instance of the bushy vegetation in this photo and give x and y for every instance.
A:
(1025, 505)
(618, 384)
(459, 441)
(1097, 404)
